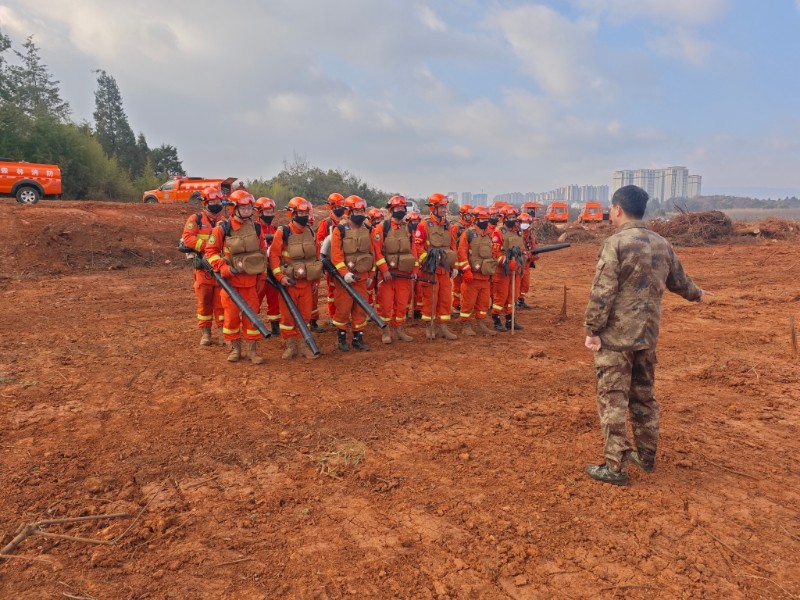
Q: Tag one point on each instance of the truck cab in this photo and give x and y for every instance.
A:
(186, 189)
(592, 212)
(557, 212)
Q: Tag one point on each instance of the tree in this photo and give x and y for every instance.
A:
(111, 127)
(5, 88)
(30, 86)
(140, 156)
(166, 162)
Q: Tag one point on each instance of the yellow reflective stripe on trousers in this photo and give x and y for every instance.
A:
(287, 327)
(204, 317)
(252, 332)
(231, 331)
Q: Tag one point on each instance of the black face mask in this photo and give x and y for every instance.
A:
(358, 219)
(399, 215)
(301, 220)
(510, 224)
(214, 209)
(338, 211)
(482, 224)
(494, 220)
(412, 226)
(267, 218)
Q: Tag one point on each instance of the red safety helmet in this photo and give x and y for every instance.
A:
(396, 202)
(211, 194)
(414, 215)
(265, 204)
(297, 204)
(242, 198)
(375, 214)
(352, 203)
(335, 199)
(435, 200)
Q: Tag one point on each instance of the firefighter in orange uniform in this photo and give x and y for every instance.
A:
(456, 229)
(413, 219)
(529, 243)
(508, 249)
(236, 251)
(294, 260)
(353, 256)
(477, 265)
(195, 236)
(375, 217)
(433, 239)
(336, 204)
(393, 255)
(265, 211)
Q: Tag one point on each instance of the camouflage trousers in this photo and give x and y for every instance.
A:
(625, 383)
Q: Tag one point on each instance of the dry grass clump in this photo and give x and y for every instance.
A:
(771, 229)
(343, 455)
(695, 229)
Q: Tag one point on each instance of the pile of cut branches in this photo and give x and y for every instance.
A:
(695, 228)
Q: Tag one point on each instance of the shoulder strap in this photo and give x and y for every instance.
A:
(471, 235)
(287, 231)
(198, 218)
(386, 227)
(226, 227)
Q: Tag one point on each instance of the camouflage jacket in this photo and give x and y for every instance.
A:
(633, 268)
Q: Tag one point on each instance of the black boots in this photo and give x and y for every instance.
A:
(342, 341)
(517, 326)
(358, 341)
(522, 304)
(316, 328)
(275, 328)
(498, 324)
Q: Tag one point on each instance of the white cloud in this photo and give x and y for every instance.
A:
(679, 12)
(430, 19)
(685, 45)
(556, 51)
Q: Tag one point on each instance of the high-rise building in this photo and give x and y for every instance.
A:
(466, 198)
(695, 182)
(480, 199)
(660, 184)
(452, 197)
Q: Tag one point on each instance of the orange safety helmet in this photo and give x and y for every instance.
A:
(435, 200)
(376, 213)
(508, 211)
(265, 204)
(396, 202)
(525, 218)
(211, 194)
(296, 204)
(414, 215)
(242, 198)
(352, 203)
(465, 209)
(480, 212)
(493, 210)
(335, 199)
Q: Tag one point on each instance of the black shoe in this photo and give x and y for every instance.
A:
(645, 460)
(498, 324)
(517, 326)
(315, 327)
(523, 305)
(342, 345)
(606, 475)
(417, 314)
(275, 328)
(358, 342)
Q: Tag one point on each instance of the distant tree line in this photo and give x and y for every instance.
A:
(704, 203)
(103, 160)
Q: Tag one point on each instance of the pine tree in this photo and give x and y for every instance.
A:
(111, 127)
(5, 88)
(30, 86)
(166, 162)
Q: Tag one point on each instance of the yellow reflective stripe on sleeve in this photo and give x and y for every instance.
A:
(276, 271)
(340, 265)
(422, 256)
(198, 244)
(380, 262)
(285, 253)
(214, 258)
(202, 236)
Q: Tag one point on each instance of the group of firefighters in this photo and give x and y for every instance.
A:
(398, 262)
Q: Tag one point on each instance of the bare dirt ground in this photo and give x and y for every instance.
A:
(424, 470)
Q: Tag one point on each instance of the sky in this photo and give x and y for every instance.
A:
(423, 96)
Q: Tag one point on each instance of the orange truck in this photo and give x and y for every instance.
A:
(557, 212)
(592, 212)
(29, 182)
(186, 189)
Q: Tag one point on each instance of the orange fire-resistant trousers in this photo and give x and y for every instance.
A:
(476, 298)
(525, 280)
(329, 297)
(236, 325)
(265, 290)
(393, 299)
(443, 302)
(209, 305)
(302, 293)
(346, 307)
(502, 294)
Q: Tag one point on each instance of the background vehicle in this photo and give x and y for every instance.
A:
(186, 189)
(592, 212)
(557, 212)
(534, 209)
(29, 182)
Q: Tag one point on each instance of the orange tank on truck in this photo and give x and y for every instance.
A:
(557, 212)
(29, 182)
(592, 212)
(186, 189)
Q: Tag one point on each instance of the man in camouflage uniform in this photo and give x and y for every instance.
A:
(634, 267)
